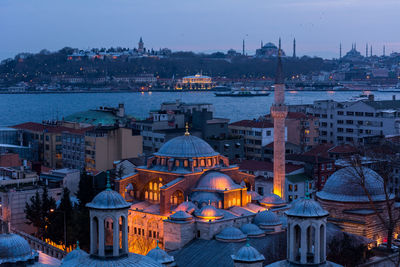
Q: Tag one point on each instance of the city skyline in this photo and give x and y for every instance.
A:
(317, 27)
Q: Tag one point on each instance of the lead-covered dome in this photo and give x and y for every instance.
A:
(181, 215)
(14, 248)
(209, 212)
(108, 199)
(248, 254)
(345, 186)
(306, 208)
(187, 206)
(231, 234)
(214, 180)
(266, 218)
(186, 146)
(252, 230)
(272, 201)
(160, 256)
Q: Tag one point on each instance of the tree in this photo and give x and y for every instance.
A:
(33, 213)
(48, 204)
(346, 251)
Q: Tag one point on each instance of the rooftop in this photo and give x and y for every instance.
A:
(253, 124)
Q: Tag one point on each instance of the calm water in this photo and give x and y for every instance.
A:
(16, 108)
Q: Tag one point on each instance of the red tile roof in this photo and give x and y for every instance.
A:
(38, 127)
(10, 160)
(253, 124)
(298, 115)
(255, 165)
(319, 150)
(343, 149)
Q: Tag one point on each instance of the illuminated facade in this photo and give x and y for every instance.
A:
(196, 82)
(279, 112)
(185, 191)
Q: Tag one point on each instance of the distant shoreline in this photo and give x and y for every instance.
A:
(155, 91)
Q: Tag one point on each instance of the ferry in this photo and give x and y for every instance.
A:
(360, 97)
(390, 89)
(243, 93)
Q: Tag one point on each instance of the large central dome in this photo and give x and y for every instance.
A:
(186, 146)
(345, 186)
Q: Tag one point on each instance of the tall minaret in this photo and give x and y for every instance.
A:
(340, 51)
(370, 52)
(279, 113)
(243, 48)
(294, 47)
(366, 50)
(384, 51)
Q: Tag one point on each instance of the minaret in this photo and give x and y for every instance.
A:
(243, 48)
(340, 51)
(366, 50)
(370, 52)
(279, 46)
(384, 51)
(141, 46)
(279, 113)
(294, 47)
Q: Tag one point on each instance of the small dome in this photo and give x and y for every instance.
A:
(108, 199)
(209, 212)
(187, 206)
(181, 216)
(252, 230)
(344, 186)
(266, 218)
(306, 208)
(160, 255)
(248, 254)
(272, 200)
(231, 234)
(14, 248)
(186, 146)
(254, 195)
(205, 197)
(214, 180)
(76, 253)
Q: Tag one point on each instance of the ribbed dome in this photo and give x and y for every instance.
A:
(231, 234)
(187, 206)
(344, 186)
(267, 218)
(14, 248)
(160, 255)
(252, 230)
(214, 180)
(272, 200)
(306, 208)
(186, 146)
(248, 254)
(209, 212)
(181, 216)
(108, 199)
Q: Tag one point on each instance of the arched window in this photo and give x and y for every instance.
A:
(195, 163)
(202, 163)
(209, 162)
(234, 201)
(185, 163)
(146, 195)
(151, 186)
(177, 163)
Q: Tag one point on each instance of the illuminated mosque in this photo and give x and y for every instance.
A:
(190, 207)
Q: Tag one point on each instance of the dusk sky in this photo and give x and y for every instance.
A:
(202, 26)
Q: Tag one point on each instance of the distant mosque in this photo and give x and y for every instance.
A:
(353, 54)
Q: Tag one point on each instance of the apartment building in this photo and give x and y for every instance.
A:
(256, 135)
(352, 122)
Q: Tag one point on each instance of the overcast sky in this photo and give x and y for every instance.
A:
(202, 26)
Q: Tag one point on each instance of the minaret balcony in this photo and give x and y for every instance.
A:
(279, 111)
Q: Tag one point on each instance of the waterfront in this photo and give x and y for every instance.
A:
(18, 108)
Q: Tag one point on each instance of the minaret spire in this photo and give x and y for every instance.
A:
(243, 48)
(370, 52)
(340, 51)
(366, 50)
(294, 47)
(384, 50)
(279, 113)
(279, 47)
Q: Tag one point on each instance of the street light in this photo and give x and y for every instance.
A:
(65, 227)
